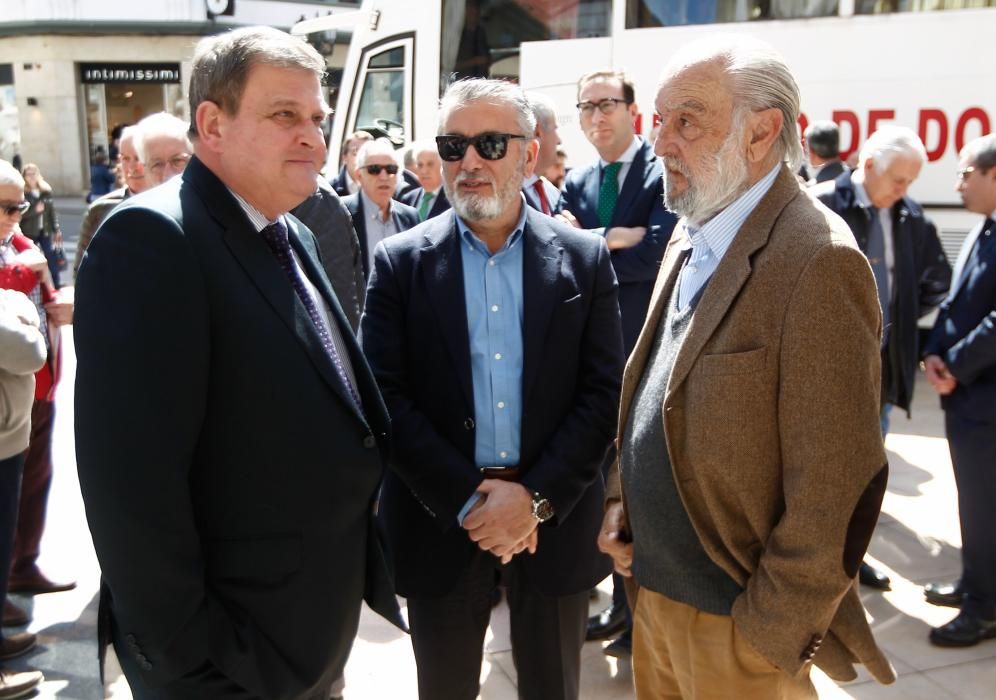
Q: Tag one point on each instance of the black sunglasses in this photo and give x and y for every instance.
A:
(489, 145)
(376, 168)
(15, 208)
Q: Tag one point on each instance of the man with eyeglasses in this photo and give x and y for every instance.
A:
(135, 182)
(493, 331)
(619, 196)
(164, 146)
(376, 215)
(961, 365)
(911, 271)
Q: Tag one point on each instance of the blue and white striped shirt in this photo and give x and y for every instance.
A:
(710, 241)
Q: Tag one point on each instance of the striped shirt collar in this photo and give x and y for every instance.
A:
(718, 233)
(256, 218)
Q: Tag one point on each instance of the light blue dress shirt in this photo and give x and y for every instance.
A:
(710, 241)
(493, 294)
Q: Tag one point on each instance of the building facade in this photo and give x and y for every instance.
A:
(73, 72)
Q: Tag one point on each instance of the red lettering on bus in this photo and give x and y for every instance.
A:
(971, 114)
(933, 116)
(846, 116)
(877, 115)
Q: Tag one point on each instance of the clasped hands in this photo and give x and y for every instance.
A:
(502, 522)
(939, 375)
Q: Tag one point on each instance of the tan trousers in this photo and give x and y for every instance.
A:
(680, 652)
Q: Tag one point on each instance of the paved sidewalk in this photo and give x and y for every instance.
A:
(917, 541)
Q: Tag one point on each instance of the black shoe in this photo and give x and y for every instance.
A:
(869, 576)
(622, 648)
(606, 624)
(947, 594)
(966, 630)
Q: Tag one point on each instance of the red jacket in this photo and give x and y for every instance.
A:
(24, 279)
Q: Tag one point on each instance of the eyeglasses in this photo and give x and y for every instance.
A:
(177, 162)
(965, 172)
(375, 169)
(606, 106)
(11, 208)
(489, 145)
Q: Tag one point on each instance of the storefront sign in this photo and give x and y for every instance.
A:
(130, 72)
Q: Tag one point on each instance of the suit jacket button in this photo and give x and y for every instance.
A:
(468, 424)
(370, 442)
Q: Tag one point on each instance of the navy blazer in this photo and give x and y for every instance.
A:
(640, 203)
(414, 334)
(964, 333)
(554, 197)
(404, 218)
(230, 499)
(440, 204)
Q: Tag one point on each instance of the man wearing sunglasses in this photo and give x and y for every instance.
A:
(376, 215)
(493, 331)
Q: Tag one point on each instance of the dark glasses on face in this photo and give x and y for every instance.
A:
(375, 169)
(489, 145)
(11, 208)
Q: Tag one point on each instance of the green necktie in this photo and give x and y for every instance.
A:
(609, 193)
(426, 204)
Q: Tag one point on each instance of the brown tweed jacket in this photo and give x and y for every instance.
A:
(772, 422)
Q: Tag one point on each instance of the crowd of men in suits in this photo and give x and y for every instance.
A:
(411, 382)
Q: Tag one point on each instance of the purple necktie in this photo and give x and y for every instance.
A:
(276, 237)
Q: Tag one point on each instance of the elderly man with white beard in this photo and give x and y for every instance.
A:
(751, 468)
(494, 334)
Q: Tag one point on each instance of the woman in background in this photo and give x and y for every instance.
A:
(40, 222)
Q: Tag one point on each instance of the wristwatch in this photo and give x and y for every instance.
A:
(542, 508)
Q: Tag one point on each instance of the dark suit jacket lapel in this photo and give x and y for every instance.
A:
(589, 200)
(730, 276)
(442, 270)
(633, 184)
(541, 266)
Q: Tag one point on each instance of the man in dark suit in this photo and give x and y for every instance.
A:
(961, 365)
(430, 198)
(539, 192)
(822, 139)
(230, 503)
(494, 335)
(619, 196)
(902, 247)
(376, 215)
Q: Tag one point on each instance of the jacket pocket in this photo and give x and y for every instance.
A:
(733, 363)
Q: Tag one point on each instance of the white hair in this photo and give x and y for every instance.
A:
(888, 143)
(376, 147)
(544, 108)
(10, 176)
(495, 92)
(759, 79)
(156, 126)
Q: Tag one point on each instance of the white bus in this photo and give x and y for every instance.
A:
(861, 63)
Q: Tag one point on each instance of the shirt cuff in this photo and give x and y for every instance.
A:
(474, 498)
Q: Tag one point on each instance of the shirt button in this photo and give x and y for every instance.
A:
(494, 307)
(491, 263)
(501, 404)
(497, 355)
(503, 454)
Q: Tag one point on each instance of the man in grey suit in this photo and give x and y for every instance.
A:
(231, 502)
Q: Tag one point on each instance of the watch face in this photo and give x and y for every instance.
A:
(542, 509)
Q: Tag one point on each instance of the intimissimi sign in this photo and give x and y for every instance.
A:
(130, 72)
